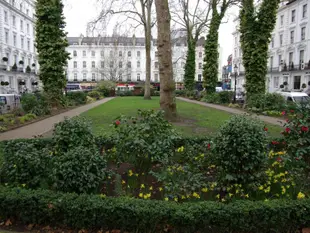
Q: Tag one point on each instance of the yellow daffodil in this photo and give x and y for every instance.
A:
(205, 190)
(151, 188)
(141, 195)
(230, 194)
(246, 195)
(283, 190)
(142, 186)
(181, 149)
(267, 190)
(160, 189)
(196, 195)
(102, 195)
(261, 187)
(136, 174)
(301, 195)
(14, 166)
(166, 199)
(183, 197)
(24, 185)
(130, 173)
(123, 182)
(175, 199)
(218, 196)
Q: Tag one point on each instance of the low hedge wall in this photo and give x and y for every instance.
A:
(135, 215)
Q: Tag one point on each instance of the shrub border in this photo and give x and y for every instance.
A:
(135, 215)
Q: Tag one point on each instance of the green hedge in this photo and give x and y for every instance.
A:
(135, 215)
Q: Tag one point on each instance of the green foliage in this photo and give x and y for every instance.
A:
(25, 164)
(181, 93)
(189, 75)
(212, 98)
(132, 215)
(256, 28)
(105, 87)
(224, 97)
(94, 94)
(144, 139)
(240, 151)
(27, 117)
(80, 170)
(35, 104)
(72, 133)
(265, 102)
(51, 44)
(77, 97)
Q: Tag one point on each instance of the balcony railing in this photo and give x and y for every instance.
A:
(298, 67)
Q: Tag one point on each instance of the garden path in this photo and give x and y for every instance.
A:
(44, 126)
(267, 119)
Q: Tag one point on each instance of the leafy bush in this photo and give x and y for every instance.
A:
(90, 100)
(132, 215)
(268, 101)
(94, 94)
(27, 117)
(25, 165)
(240, 151)
(36, 104)
(181, 93)
(124, 93)
(146, 138)
(212, 98)
(105, 87)
(77, 97)
(225, 97)
(79, 170)
(72, 133)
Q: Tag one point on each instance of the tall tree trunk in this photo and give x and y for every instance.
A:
(148, 37)
(190, 66)
(210, 67)
(167, 85)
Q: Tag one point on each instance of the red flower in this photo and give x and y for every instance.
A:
(279, 159)
(304, 129)
(287, 130)
(287, 120)
(117, 123)
(209, 146)
(283, 113)
(274, 143)
(292, 111)
(297, 159)
(265, 129)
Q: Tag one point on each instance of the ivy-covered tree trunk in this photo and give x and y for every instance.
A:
(256, 28)
(51, 45)
(190, 65)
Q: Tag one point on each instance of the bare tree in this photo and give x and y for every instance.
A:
(194, 17)
(138, 11)
(167, 85)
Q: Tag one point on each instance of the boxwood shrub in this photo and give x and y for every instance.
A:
(136, 215)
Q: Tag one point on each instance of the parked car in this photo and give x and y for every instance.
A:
(296, 97)
(9, 102)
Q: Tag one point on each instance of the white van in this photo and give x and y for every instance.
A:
(296, 97)
(8, 102)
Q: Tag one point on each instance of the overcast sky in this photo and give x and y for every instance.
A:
(79, 12)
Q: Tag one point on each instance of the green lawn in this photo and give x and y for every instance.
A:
(195, 120)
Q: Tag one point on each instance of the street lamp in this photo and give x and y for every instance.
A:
(235, 70)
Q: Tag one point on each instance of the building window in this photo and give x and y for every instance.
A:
(281, 20)
(200, 54)
(138, 77)
(102, 76)
(293, 16)
(235, 52)
(129, 77)
(129, 64)
(84, 77)
(84, 64)
(22, 25)
(156, 78)
(93, 64)
(28, 45)
(301, 56)
(111, 64)
(120, 77)
(84, 53)
(14, 39)
(102, 53)
(199, 77)
(28, 30)
(292, 37)
(281, 39)
(129, 53)
(27, 11)
(93, 77)
(75, 77)
(75, 64)
(120, 64)
(303, 33)
(14, 21)
(13, 2)
(102, 64)
(29, 62)
(5, 16)
(111, 53)
(200, 65)
(120, 54)
(156, 65)
(272, 42)
(6, 37)
(74, 53)
(138, 64)
(297, 82)
(280, 60)
(290, 59)
(271, 62)
(138, 53)
(156, 54)
(22, 42)
(236, 40)
(304, 10)
(21, 7)
(93, 53)
(276, 82)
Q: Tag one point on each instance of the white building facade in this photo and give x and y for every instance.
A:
(289, 49)
(123, 59)
(18, 64)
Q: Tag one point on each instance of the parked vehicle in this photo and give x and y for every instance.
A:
(8, 102)
(73, 87)
(296, 97)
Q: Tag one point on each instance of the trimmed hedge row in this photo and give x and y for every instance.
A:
(135, 215)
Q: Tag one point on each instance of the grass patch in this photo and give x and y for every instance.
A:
(194, 119)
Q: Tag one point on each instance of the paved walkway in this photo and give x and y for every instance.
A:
(46, 125)
(267, 119)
